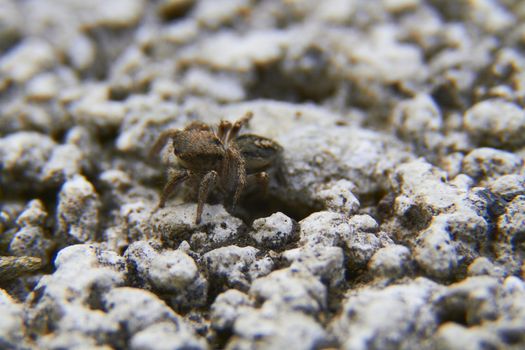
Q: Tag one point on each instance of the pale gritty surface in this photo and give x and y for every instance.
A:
(397, 220)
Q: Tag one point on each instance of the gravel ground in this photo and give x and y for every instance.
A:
(395, 221)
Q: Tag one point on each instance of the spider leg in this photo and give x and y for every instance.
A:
(176, 178)
(161, 141)
(238, 125)
(240, 173)
(207, 183)
(224, 128)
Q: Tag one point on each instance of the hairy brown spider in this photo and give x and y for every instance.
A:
(220, 159)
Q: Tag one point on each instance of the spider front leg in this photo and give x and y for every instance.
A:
(161, 141)
(207, 183)
(235, 180)
(240, 187)
(236, 127)
(176, 178)
(224, 128)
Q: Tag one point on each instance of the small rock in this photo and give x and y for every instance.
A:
(94, 110)
(146, 116)
(490, 163)
(338, 197)
(508, 186)
(391, 262)
(166, 336)
(276, 329)
(453, 336)
(474, 299)
(42, 87)
(434, 251)
(240, 54)
(496, 123)
(174, 224)
(94, 324)
(12, 321)
(227, 307)
(396, 317)
(171, 272)
(69, 299)
(482, 266)
(136, 217)
(28, 58)
(326, 263)
(426, 187)
(73, 341)
(78, 210)
(31, 241)
(64, 163)
(138, 309)
(219, 87)
(292, 288)
(275, 231)
(139, 255)
(510, 248)
(414, 117)
(511, 225)
(324, 228)
(363, 240)
(81, 51)
(237, 266)
(34, 214)
(363, 223)
(24, 155)
(213, 14)
(174, 271)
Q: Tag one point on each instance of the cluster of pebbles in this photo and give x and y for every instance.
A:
(401, 223)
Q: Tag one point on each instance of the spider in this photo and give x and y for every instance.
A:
(220, 159)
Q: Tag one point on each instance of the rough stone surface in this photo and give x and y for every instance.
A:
(165, 336)
(275, 231)
(172, 273)
(12, 322)
(78, 210)
(293, 288)
(31, 238)
(227, 308)
(392, 218)
(276, 329)
(496, 123)
(237, 266)
(391, 261)
(490, 163)
(326, 263)
(375, 319)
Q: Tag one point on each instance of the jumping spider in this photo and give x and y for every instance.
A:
(220, 159)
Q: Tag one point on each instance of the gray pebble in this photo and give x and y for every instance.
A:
(227, 307)
(78, 210)
(275, 231)
(496, 123)
(166, 336)
(293, 288)
(237, 266)
(491, 163)
(391, 261)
